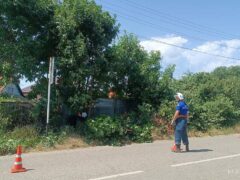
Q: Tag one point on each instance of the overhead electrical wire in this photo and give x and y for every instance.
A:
(171, 20)
(189, 49)
(181, 21)
(156, 27)
(152, 25)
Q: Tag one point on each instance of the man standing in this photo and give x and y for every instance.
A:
(180, 119)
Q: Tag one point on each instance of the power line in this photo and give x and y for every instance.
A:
(181, 21)
(154, 26)
(189, 49)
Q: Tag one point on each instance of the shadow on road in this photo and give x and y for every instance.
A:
(30, 169)
(200, 150)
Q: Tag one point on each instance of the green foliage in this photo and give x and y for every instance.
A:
(141, 134)
(212, 97)
(134, 73)
(5, 123)
(85, 32)
(14, 113)
(77, 32)
(134, 127)
(117, 130)
(105, 129)
(27, 33)
(39, 112)
(26, 136)
(29, 137)
(144, 113)
(166, 110)
(216, 113)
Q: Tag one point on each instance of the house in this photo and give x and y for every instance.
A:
(26, 90)
(11, 89)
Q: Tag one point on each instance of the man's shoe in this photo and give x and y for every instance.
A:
(187, 147)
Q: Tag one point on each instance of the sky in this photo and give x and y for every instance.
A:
(209, 26)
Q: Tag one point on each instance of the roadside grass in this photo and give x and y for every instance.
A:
(157, 135)
(69, 142)
(215, 132)
(67, 138)
(32, 139)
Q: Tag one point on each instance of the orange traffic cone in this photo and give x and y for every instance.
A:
(17, 167)
(174, 148)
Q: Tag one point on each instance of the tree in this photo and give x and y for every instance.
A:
(212, 97)
(27, 33)
(85, 32)
(76, 32)
(135, 74)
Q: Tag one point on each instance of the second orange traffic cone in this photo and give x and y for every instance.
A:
(17, 167)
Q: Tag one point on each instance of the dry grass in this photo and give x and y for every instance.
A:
(69, 143)
(212, 132)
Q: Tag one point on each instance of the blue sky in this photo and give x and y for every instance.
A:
(204, 25)
(210, 26)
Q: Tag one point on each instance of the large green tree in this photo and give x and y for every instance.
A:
(28, 37)
(76, 32)
(85, 33)
(136, 74)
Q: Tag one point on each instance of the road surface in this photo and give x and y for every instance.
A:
(210, 158)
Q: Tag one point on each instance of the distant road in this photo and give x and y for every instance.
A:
(211, 158)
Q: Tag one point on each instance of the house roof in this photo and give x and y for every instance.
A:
(17, 86)
(27, 89)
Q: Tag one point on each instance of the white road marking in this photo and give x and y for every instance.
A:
(206, 160)
(118, 175)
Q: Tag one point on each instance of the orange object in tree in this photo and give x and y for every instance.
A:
(111, 94)
(17, 167)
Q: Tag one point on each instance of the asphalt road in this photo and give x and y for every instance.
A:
(210, 158)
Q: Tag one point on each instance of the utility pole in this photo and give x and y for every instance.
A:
(50, 81)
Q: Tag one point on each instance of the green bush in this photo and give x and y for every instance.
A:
(105, 129)
(141, 134)
(39, 112)
(163, 117)
(30, 137)
(215, 113)
(134, 127)
(26, 136)
(144, 113)
(14, 113)
(5, 122)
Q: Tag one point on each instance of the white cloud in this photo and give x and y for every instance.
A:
(166, 50)
(186, 60)
(201, 62)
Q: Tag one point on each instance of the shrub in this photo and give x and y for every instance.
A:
(141, 134)
(163, 118)
(30, 137)
(26, 136)
(134, 127)
(5, 122)
(104, 129)
(217, 113)
(14, 113)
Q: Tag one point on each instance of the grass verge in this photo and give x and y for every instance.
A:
(67, 138)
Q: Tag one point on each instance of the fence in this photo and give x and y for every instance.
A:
(111, 107)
